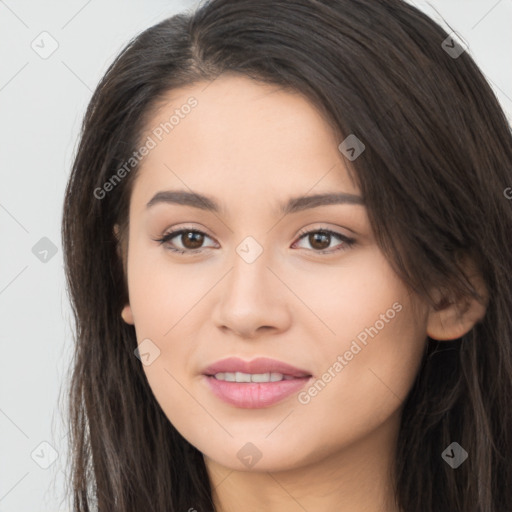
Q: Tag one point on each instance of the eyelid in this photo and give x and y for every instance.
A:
(346, 240)
(175, 232)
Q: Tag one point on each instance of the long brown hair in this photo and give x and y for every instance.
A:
(437, 160)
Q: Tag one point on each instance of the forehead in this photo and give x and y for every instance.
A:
(239, 137)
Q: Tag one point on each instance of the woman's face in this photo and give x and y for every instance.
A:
(257, 286)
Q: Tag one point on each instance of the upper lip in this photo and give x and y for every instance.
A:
(258, 365)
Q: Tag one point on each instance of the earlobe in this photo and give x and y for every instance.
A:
(450, 320)
(127, 314)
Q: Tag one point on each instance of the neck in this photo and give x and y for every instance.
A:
(356, 478)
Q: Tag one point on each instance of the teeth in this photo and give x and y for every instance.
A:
(251, 377)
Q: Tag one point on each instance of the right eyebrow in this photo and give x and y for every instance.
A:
(185, 198)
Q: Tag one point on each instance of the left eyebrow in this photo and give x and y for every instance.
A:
(293, 205)
(297, 204)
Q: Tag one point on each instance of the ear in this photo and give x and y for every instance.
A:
(127, 314)
(451, 319)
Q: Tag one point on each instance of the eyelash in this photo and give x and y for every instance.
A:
(347, 242)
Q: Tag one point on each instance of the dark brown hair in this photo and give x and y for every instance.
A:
(437, 161)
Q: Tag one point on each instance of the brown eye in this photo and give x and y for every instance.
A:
(184, 241)
(319, 240)
(192, 239)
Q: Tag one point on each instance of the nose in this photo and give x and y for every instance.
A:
(251, 299)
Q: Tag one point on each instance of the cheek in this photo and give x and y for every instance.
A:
(348, 297)
(363, 384)
(368, 344)
(162, 291)
(169, 303)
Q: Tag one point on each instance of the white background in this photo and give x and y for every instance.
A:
(42, 102)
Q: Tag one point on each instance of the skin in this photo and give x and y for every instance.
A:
(252, 146)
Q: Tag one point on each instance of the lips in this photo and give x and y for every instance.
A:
(259, 365)
(254, 395)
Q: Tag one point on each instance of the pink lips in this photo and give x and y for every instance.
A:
(259, 365)
(253, 395)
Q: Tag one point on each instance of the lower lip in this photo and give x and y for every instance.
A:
(255, 395)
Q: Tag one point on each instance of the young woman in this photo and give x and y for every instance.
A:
(286, 239)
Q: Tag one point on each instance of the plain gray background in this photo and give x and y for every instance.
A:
(42, 101)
